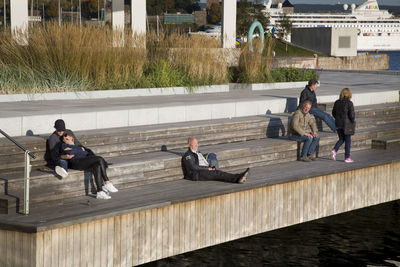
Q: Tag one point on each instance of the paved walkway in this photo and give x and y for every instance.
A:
(17, 118)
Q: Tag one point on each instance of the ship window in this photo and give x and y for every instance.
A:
(344, 41)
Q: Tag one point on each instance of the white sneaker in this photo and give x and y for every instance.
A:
(110, 188)
(60, 171)
(102, 195)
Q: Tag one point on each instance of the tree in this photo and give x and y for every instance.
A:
(94, 5)
(247, 13)
(285, 27)
(155, 7)
(243, 20)
(51, 7)
(186, 6)
(214, 13)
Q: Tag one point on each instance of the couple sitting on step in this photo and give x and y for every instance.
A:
(303, 127)
(63, 150)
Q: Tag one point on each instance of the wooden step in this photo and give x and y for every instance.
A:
(156, 167)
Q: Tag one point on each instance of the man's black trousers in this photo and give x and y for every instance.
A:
(217, 175)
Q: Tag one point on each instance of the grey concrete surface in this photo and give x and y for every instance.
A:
(19, 118)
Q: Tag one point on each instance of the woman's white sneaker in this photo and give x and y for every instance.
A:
(102, 195)
(110, 188)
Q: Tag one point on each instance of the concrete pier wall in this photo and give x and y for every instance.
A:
(360, 62)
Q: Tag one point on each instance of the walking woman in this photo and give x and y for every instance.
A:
(343, 112)
(80, 159)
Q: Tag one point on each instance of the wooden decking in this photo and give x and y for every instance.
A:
(146, 223)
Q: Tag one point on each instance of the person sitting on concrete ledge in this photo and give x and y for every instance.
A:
(196, 168)
(52, 155)
(308, 94)
(299, 130)
(81, 159)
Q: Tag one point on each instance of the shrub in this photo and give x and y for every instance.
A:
(292, 75)
(161, 74)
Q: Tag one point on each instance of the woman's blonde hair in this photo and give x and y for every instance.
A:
(345, 94)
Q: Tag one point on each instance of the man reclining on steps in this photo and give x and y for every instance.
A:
(53, 157)
(196, 168)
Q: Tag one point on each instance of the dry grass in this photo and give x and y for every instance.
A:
(255, 67)
(69, 58)
(195, 56)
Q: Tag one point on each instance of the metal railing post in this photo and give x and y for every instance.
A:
(26, 182)
(27, 170)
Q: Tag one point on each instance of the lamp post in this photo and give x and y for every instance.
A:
(80, 15)
(5, 15)
(59, 13)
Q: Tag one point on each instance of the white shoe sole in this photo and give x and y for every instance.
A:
(60, 171)
(103, 196)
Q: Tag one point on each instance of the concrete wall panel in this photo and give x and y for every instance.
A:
(228, 23)
(138, 18)
(19, 20)
(144, 116)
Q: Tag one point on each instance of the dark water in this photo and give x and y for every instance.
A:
(365, 237)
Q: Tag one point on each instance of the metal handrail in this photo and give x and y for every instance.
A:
(26, 172)
(17, 144)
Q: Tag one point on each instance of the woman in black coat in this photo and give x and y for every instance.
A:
(343, 112)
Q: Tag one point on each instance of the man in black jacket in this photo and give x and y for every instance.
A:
(196, 168)
(52, 156)
(308, 94)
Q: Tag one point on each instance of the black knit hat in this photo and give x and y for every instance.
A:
(59, 125)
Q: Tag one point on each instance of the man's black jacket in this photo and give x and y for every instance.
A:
(190, 166)
(309, 95)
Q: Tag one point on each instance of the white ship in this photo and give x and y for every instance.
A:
(377, 29)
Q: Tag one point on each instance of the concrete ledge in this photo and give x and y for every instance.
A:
(41, 124)
(116, 93)
(158, 114)
(267, 86)
(101, 94)
(360, 99)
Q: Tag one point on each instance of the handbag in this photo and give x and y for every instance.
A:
(349, 128)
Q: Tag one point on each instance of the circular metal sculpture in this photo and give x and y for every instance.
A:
(253, 26)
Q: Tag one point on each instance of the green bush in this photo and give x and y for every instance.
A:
(161, 74)
(292, 75)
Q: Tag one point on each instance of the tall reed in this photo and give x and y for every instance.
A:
(255, 67)
(70, 58)
(196, 57)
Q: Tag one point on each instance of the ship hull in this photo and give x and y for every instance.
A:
(382, 43)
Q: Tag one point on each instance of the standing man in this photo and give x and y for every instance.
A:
(195, 167)
(53, 157)
(304, 129)
(308, 94)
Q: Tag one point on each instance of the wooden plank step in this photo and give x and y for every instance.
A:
(386, 143)
(161, 166)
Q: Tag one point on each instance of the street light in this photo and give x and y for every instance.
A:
(5, 15)
(59, 13)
